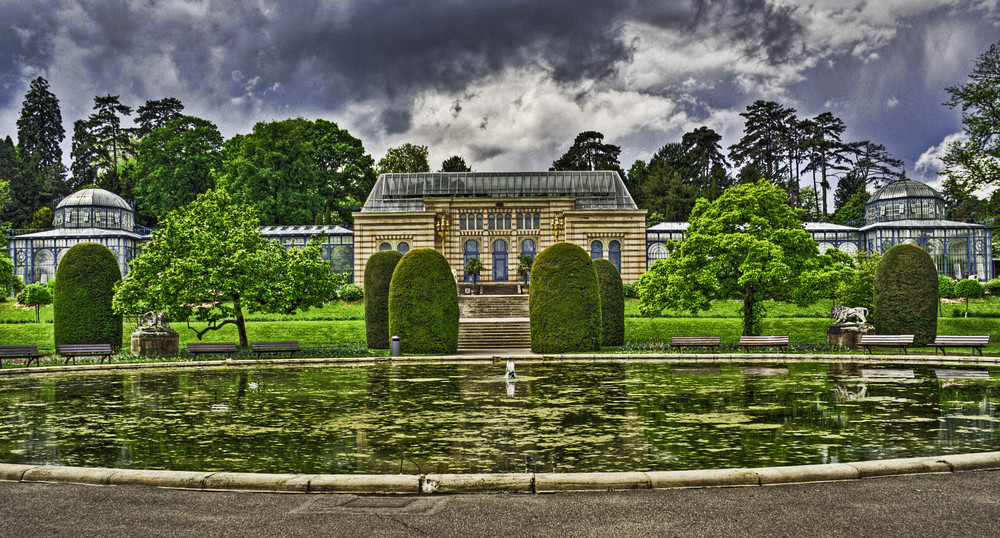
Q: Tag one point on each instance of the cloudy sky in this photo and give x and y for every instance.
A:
(507, 84)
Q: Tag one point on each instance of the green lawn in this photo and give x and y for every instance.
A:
(341, 325)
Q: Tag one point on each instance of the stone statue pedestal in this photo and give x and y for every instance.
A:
(847, 334)
(162, 341)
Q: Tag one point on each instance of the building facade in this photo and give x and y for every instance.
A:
(901, 212)
(499, 216)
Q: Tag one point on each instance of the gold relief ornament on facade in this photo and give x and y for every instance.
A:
(442, 225)
(557, 225)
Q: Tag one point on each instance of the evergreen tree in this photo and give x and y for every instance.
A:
(157, 113)
(101, 144)
(589, 152)
(765, 140)
(827, 154)
(40, 133)
(22, 198)
(455, 164)
(977, 159)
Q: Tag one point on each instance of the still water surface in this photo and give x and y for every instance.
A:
(466, 418)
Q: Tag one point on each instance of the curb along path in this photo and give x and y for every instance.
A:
(490, 483)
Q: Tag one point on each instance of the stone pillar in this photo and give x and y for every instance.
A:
(162, 341)
(847, 334)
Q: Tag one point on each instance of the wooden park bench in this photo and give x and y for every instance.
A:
(275, 347)
(218, 348)
(747, 342)
(974, 341)
(711, 342)
(868, 341)
(72, 351)
(25, 352)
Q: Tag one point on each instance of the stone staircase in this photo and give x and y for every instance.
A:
(493, 322)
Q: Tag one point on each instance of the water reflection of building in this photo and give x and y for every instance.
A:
(902, 212)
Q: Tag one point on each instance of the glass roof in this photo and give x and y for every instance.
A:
(600, 189)
(94, 197)
(904, 188)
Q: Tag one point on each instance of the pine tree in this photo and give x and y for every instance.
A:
(157, 113)
(40, 133)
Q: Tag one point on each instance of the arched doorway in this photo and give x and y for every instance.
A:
(499, 261)
(471, 251)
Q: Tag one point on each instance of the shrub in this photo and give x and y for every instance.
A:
(423, 303)
(969, 288)
(36, 295)
(565, 301)
(351, 292)
(946, 287)
(378, 274)
(858, 288)
(85, 281)
(992, 286)
(10, 283)
(630, 291)
(612, 303)
(906, 294)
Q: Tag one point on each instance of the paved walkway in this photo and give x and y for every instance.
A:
(949, 504)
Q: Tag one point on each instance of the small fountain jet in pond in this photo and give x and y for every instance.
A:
(510, 370)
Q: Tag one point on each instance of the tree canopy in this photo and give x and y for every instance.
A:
(157, 113)
(976, 160)
(589, 152)
(297, 171)
(174, 164)
(455, 164)
(748, 245)
(39, 137)
(208, 262)
(408, 158)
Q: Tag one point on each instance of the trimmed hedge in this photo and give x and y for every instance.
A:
(565, 301)
(612, 303)
(423, 303)
(85, 281)
(906, 294)
(946, 287)
(378, 274)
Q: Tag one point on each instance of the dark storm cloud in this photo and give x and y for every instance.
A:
(25, 43)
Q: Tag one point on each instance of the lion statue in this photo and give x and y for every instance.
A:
(847, 314)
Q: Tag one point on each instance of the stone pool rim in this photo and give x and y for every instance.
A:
(414, 484)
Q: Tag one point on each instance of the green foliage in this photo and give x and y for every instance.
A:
(969, 288)
(407, 158)
(82, 310)
(378, 275)
(473, 267)
(40, 134)
(101, 144)
(612, 303)
(565, 301)
(524, 266)
(36, 295)
(157, 113)
(297, 171)
(351, 293)
(209, 262)
(42, 218)
(174, 164)
(455, 164)
(589, 152)
(975, 161)
(857, 289)
(630, 291)
(748, 245)
(10, 283)
(423, 303)
(906, 294)
(992, 286)
(946, 287)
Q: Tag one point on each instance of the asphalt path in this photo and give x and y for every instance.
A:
(946, 504)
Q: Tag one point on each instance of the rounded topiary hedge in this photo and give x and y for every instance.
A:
(565, 301)
(612, 303)
(423, 303)
(378, 274)
(906, 294)
(81, 300)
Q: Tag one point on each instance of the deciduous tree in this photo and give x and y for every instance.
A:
(209, 262)
(977, 158)
(748, 245)
(455, 164)
(408, 158)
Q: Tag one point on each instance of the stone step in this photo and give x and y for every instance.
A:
(484, 333)
(493, 306)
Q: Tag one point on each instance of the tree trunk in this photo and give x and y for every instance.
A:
(749, 313)
(241, 324)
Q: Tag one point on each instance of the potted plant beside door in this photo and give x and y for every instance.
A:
(524, 269)
(473, 267)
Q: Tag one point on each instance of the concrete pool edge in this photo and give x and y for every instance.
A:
(508, 482)
(498, 483)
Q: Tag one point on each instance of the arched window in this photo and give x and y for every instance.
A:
(596, 249)
(493, 222)
(528, 247)
(958, 258)
(44, 266)
(471, 251)
(536, 226)
(520, 221)
(479, 222)
(461, 221)
(385, 246)
(506, 221)
(615, 254)
(403, 247)
(499, 261)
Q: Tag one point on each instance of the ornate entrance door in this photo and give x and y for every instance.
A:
(499, 261)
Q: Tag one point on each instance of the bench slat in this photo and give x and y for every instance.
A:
(901, 341)
(975, 341)
(21, 352)
(291, 347)
(72, 351)
(746, 342)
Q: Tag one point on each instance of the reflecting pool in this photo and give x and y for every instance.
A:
(467, 418)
